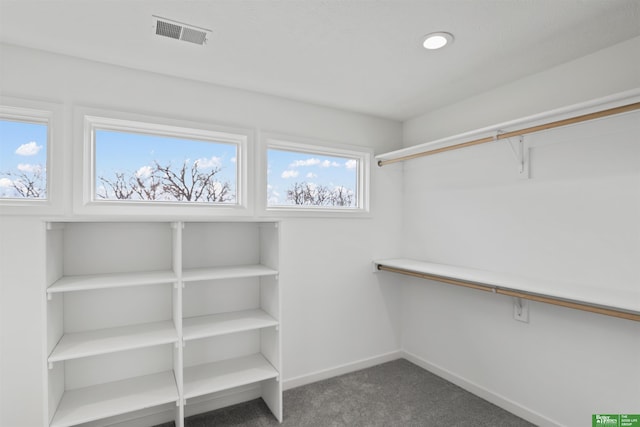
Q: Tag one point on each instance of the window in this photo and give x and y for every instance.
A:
(23, 157)
(316, 178)
(136, 162)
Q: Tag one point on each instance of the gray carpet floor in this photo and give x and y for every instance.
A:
(394, 394)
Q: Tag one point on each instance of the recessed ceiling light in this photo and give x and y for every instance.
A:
(437, 40)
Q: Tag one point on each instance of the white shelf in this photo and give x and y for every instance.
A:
(614, 298)
(235, 272)
(91, 343)
(536, 119)
(106, 400)
(114, 280)
(225, 323)
(217, 376)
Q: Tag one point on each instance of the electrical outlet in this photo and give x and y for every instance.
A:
(521, 310)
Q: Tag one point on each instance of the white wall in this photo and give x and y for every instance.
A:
(21, 321)
(575, 220)
(328, 298)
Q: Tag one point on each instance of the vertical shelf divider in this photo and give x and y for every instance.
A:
(178, 356)
(270, 301)
(54, 307)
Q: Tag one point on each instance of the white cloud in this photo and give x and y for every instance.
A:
(272, 190)
(306, 162)
(311, 175)
(351, 164)
(289, 174)
(213, 162)
(6, 183)
(144, 172)
(273, 196)
(273, 201)
(233, 160)
(26, 167)
(29, 149)
(327, 164)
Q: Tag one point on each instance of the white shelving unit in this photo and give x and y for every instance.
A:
(143, 316)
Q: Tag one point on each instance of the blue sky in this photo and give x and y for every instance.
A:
(132, 154)
(23, 149)
(288, 167)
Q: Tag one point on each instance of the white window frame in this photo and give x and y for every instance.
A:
(49, 114)
(86, 201)
(313, 147)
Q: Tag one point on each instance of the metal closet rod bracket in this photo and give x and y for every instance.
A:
(520, 153)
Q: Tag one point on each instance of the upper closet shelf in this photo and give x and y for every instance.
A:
(111, 280)
(234, 272)
(613, 302)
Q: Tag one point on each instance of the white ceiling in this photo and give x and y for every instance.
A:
(358, 55)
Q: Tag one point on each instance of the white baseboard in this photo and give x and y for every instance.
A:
(498, 400)
(340, 369)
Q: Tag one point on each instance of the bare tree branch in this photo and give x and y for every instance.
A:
(120, 187)
(149, 188)
(189, 183)
(303, 193)
(296, 193)
(30, 184)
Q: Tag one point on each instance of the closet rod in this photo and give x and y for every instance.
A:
(518, 294)
(505, 135)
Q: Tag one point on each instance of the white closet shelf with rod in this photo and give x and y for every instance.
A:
(604, 107)
(621, 304)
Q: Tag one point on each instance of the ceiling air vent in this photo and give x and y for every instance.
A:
(179, 31)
